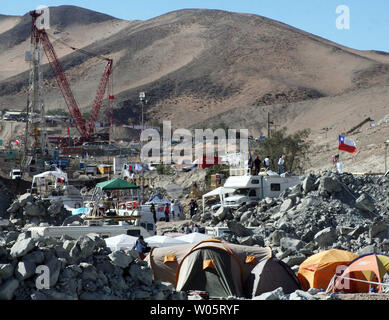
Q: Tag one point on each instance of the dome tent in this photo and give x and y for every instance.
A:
(165, 262)
(269, 275)
(363, 273)
(318, 270)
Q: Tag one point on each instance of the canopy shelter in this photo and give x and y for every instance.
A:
(163, 241)
(120, 242)
(158, 199)
(116, 184)
(269, 275)
(194, 237)
(49, 180)
(318, 270)
(107, 187)
(165, 261)
(221, 191)
(362, 274)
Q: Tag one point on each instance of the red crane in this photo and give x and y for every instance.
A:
(85, 129)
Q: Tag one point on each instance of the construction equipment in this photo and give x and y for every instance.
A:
(359, 125)
(86, 129)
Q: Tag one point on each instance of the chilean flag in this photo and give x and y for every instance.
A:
(347, 144)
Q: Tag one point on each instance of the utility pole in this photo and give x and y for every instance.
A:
(268, 125)
(386, 154)
(142, 97)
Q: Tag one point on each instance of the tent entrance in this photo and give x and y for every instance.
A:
(214, 278)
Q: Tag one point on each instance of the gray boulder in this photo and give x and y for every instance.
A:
(329, 185)
(301, 295)
(291, 244)
(238, 229)
(55, 208)
(377, 227)
(365, 203)
(22, 247)
(34, 210)
(25, 270)
(309, 184)
(120, 259)
(286, 205)
(143, 274)
(8, 289)
(6, 271)
(277, 294)
(325, 237)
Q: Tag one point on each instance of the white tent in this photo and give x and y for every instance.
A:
(163, 241)
(157, 200)
(120, 242)
(221, 191)
(194, 237)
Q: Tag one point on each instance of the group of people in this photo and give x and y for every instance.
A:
(188, 229)
(256, 164)
(166, 210)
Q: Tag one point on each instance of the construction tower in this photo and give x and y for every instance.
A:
(36, 143)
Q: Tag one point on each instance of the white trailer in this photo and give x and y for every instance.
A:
(76, 231)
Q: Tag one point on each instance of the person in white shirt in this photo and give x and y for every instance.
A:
(172, 209)
(281, 163)
(266, 162)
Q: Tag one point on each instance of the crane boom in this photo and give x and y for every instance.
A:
(63, 84)
(99, 97)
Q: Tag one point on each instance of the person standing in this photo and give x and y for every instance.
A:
(335, 160)
(153, 212)
(281, 164)
(257, 165)
(193, 207)
(172, 209)
(266, 162)
(166, 212)
(141, 247)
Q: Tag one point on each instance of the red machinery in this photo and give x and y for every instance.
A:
(86, 129)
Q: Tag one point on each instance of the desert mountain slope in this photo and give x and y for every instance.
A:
(193, 64)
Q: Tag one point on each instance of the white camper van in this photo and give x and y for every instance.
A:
(246, 189)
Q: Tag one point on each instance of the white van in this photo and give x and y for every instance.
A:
(16, 174)
(247, 189)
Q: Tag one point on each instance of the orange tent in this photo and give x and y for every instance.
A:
(363, 273)
(318, 270)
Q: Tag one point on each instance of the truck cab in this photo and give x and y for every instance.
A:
(16, 174)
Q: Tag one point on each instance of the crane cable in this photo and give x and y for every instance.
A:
(77, 49)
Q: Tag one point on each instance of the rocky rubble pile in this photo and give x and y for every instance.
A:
(6, 198)
(82, 269)
(33, 211)
(331, 210)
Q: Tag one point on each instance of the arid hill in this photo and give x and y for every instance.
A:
(202, 67)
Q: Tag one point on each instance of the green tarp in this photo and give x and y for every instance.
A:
(116, 184)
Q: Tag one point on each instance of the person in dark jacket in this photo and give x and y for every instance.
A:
(153, 212)
(257, 165)
(193, 207)
(166, 212)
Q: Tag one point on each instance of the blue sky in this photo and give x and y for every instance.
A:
(369, 19)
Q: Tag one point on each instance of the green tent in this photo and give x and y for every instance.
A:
(116, 184)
